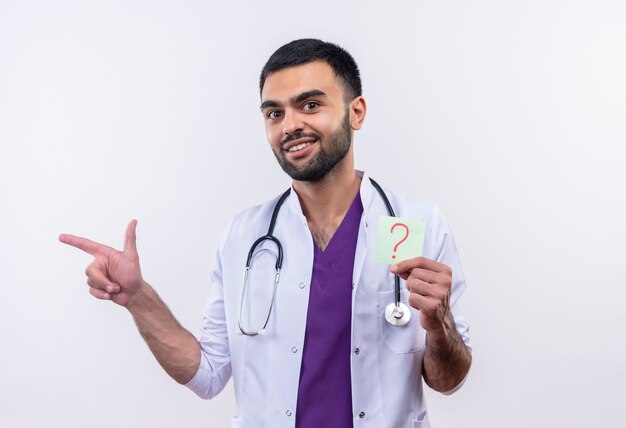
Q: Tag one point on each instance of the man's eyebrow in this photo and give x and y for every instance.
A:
(308, 94)
(269, 103)
(295, 100)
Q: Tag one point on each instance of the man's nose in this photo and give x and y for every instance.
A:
(292, 123)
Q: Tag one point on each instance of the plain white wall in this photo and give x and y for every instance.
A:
(510, 115)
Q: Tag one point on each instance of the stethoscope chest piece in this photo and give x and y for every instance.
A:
(397, 313)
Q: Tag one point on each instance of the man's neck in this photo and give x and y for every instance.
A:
(326, 202)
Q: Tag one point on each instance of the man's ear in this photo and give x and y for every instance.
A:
(358, 108)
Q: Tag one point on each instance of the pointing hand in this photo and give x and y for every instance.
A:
(113, 275)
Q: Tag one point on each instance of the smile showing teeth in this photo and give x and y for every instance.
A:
(299, 147)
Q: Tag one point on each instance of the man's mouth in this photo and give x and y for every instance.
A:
(299, 147)
(298, 144)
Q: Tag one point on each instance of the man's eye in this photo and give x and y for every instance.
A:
(311, 105)
(273, 114)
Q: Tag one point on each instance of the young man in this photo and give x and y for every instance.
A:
(316, 346)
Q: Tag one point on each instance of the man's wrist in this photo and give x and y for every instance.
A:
(141, 298)
(446, 328)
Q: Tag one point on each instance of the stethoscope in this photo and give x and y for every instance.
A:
(396, 313)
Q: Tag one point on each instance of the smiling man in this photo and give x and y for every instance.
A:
(304, 335)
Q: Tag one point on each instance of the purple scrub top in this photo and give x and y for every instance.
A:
(325, 390)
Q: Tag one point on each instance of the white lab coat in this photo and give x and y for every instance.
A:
(386, 369)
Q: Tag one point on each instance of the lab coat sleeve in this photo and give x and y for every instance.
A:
(449, 255)
(215, 365)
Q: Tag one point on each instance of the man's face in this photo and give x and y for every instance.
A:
(306, 120)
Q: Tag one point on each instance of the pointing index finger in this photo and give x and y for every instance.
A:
(84, 244)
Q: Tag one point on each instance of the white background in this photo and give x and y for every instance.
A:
(508, 114)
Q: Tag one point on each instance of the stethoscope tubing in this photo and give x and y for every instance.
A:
(396, 313)
(391, 214)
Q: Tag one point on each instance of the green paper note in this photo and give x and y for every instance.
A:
(399, 239)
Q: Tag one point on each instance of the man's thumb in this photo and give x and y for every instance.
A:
(130, 241)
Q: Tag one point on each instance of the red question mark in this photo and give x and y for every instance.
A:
(402, 240)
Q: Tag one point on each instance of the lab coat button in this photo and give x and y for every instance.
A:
(301, 285)
(361, 414)
(294, 349)
(288, 412)
(357, 351)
